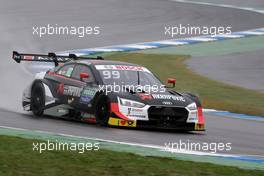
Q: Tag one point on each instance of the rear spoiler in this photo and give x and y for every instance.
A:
(51, 57)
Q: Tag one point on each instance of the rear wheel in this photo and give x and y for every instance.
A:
(38, 99)
(102, 110)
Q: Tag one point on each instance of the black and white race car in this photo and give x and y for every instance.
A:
(110, 93)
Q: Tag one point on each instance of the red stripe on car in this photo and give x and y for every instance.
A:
(114, 109)
(200, 116)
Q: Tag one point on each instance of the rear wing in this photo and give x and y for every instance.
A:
(51, 57)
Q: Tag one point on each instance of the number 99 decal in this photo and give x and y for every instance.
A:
(111, 74)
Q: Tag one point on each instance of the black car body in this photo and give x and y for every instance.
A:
(84, 89)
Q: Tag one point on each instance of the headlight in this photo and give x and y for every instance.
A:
(192, 107)
(131, 103)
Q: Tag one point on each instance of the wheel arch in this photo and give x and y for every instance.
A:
(47, 88)
(193, 97)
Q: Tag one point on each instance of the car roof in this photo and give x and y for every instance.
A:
(104, 62)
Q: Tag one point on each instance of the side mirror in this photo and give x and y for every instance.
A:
(84, 75)
(171, 81)
(16, 56)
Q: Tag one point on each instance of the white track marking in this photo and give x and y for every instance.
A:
(251, 33)
(171, 42)
(202, 39)
(138, 46)
(150, 146)
(221, 5)
(229, 36)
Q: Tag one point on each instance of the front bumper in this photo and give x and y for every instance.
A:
(172, 126)
(158, 117)
(181, 126)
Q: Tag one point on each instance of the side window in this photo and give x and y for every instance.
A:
(66, 70)
(82, 69)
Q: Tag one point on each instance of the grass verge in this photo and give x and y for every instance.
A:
(213, 94)
(17, 158)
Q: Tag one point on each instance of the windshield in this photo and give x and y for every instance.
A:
(127, 75)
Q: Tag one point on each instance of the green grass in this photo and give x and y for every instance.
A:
(219, 48)
(17, 158)
(213, 94)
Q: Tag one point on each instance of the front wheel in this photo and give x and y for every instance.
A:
(102, 110)
(37, 99)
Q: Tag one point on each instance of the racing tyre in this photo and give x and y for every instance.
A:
(38, 99)
(102, 110)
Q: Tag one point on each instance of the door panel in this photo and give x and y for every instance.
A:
(66, 89)
(88, 92)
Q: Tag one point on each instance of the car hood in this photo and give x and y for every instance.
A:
(167, 98)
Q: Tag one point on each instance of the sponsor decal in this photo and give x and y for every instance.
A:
(144, 96)
(122, 67)
(89, 92)
(72, 91)
(199, 127)
(85, 99)
(69, 90)
(137, 116)
(125, 67)
(87, 95)
(135, 113)
(168, 97)
(131, 110)
(121, 122)
(28, 57)
(167, 103)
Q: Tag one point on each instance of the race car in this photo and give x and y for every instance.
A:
(109, 93)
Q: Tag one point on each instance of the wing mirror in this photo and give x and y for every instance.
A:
(84, 75)
(171, 81)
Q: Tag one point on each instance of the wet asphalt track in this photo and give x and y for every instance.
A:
(121, 22)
